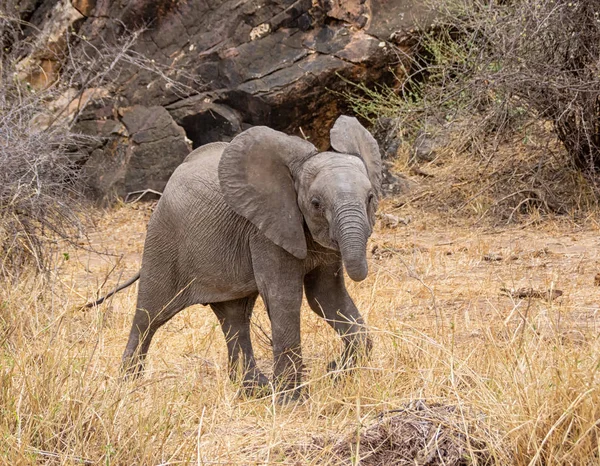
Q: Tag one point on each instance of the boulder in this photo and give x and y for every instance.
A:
(206, 70)
(429, 141)
(138, 151)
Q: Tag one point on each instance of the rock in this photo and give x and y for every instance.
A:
(428, 144)
(50, 20)
(218, 67)
(394, 17)
(205, 121)
(394, 184)
(392, 221)
(274, 63)
(141, 152)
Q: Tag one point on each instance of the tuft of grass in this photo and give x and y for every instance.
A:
(521, 375)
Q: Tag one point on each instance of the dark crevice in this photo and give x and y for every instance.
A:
(207, 127)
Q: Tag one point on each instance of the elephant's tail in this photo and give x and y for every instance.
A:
(129, 282)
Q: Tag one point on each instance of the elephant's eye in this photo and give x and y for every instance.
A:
(371, 198)
(316, 203)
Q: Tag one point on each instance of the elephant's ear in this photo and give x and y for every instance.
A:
(255, 174)
(348, 136)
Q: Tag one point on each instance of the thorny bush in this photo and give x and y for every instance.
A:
(40, 190)
(502, 63)
(41, 187)
(545, 56)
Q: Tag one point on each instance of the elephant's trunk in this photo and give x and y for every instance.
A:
(352, 232)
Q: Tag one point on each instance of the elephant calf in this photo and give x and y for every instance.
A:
(265, 214)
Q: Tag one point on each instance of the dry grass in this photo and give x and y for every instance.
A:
(494, 180)
(477, 377)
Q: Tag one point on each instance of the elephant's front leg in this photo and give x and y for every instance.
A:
(327, 296)
(279, 278)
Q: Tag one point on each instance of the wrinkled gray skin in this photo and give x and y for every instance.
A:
(266, 214)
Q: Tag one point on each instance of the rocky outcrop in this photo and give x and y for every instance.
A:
(210, 69)
(135, 152)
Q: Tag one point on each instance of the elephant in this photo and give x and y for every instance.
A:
(266, 214)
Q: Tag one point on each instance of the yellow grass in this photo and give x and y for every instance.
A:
(522, 373)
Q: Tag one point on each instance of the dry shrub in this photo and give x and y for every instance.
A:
(420, 434)
(507, 60)
(490, 78)
(40, 190)
(544, 55)
(41, 153)
(522, 179)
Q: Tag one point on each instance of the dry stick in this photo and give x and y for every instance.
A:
(265, 339)
(413, 199)
(516, 193)
(87, 366)
(582, 437)
(230, 463)
(478, 193)
(122, 53)
(524, 317)
(198, 452)
(106, 278)
(50, 454)
(141, 193)
(527, 199)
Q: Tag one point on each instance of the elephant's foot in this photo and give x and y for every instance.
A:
(131, 368)
(252, 381)
(351, 358)
(289, 390)
(338, 369)
(289, 397)
(255, 384)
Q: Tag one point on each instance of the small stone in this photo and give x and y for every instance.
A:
(389, 220)
(428, 144)
(419, 172)
(260, 31)
(392, 221)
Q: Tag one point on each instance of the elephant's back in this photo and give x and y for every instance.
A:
(200, 168)
(213, 148)
(192, 197)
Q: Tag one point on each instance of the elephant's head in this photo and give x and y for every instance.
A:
(279, 182)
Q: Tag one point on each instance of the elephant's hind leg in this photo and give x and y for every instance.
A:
(156, 305)
(234, 317)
